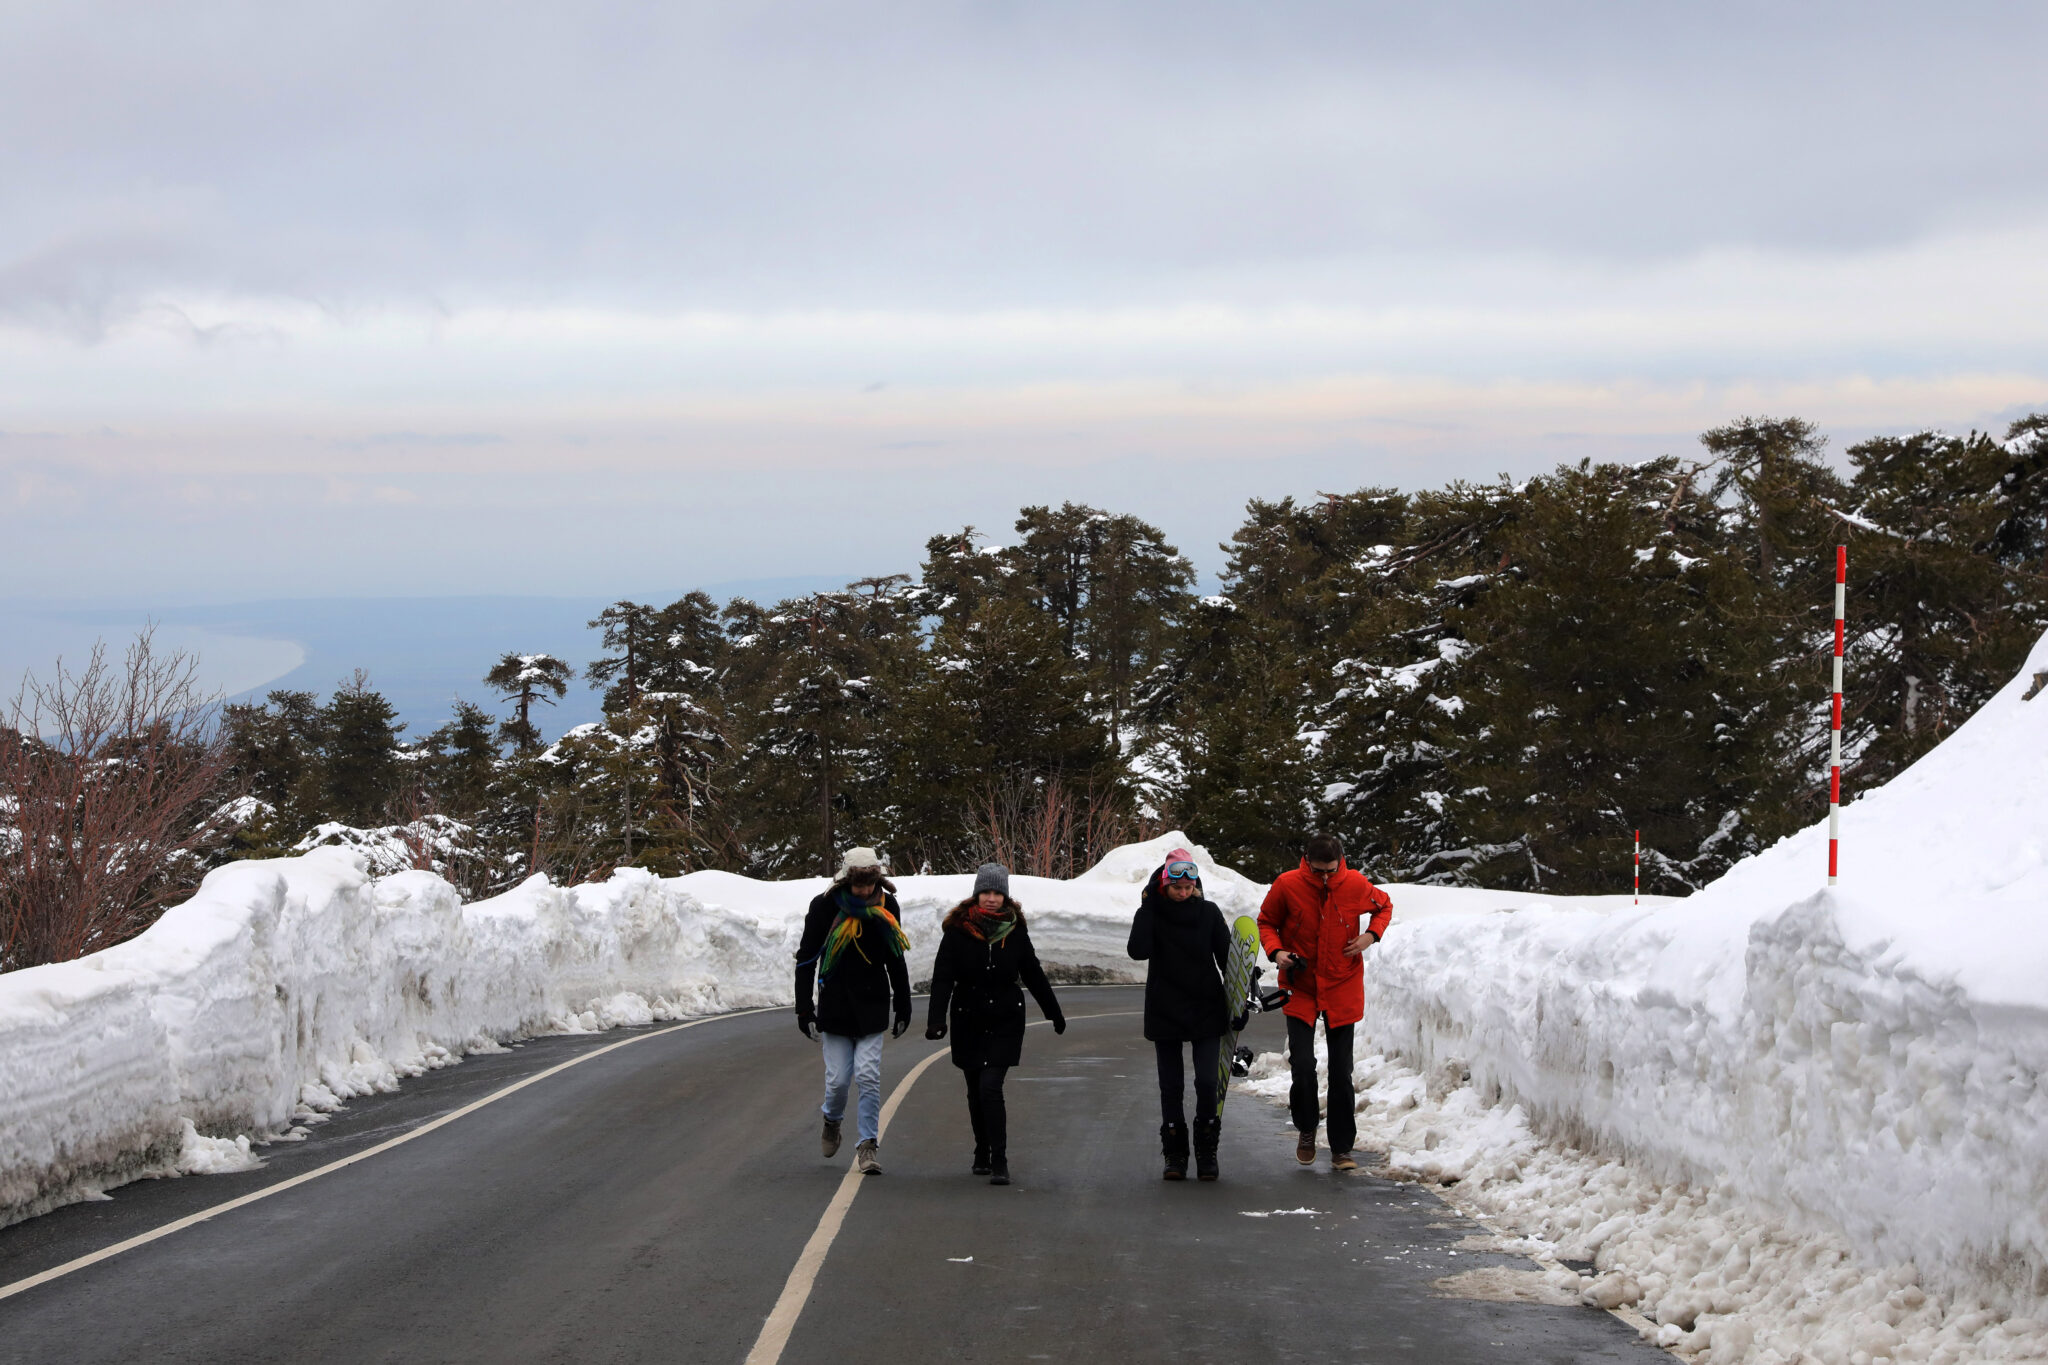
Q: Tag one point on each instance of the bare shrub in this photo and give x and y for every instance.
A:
(1047, 827)
(108, 777)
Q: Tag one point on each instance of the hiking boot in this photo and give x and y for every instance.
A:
(1173, 1143)
(831, 1140)
(981, 1161)
(1305, 1149)
(1342, 1161)
(864, 1157)
(1208, 1129)
(999, 1170)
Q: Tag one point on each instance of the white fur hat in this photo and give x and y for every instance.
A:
(858, 858)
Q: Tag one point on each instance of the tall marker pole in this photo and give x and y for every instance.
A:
(1835, 730)
(1639, 867)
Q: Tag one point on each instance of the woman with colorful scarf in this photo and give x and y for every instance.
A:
(983, 956)
(853, 945)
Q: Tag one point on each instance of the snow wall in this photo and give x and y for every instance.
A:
(1869, 1054)
(283, 988)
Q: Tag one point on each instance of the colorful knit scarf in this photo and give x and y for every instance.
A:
(847, 929)
(990, 926)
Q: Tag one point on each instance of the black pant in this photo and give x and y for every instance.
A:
(1301, 1098)
(1172, 1083)
(985, 1109)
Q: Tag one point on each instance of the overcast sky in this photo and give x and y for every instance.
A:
(617, 298)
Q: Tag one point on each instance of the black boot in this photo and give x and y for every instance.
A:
(1173, 1142)
(1208, 1129)
(999, 1168)
(981, 1161)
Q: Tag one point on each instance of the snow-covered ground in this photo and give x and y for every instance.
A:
(1787, 1122)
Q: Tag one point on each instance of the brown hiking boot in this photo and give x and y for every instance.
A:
(1305, 1149)
(831, 1141)
(864, 1158)
(1342, 1161)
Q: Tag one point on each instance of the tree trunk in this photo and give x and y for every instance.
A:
(825, 790)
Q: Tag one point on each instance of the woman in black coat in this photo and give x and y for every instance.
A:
(983, 955)
(1182, 935)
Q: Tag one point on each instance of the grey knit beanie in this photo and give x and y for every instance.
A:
(992, 877)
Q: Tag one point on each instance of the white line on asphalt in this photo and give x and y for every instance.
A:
(143, 1238)
(796, 1291)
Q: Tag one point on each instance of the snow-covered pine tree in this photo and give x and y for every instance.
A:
(1615, 681)
(809, 767)
(524, 680)
(1941, 612)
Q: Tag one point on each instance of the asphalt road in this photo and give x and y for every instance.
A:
(649, 1205)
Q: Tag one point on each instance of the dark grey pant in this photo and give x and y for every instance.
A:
(1301, 1098)
(1173, 1081)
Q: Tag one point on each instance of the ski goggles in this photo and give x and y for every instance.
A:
(1183, 871)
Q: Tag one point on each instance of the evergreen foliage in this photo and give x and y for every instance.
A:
(1482, 683)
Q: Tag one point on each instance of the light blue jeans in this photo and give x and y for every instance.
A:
(855, 1059)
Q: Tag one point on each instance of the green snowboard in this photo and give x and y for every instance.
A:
(1240, 974)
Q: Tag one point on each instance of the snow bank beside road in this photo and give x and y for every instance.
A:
(1866, 1060)
(284, 988)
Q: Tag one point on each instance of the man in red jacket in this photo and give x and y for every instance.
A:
(1316, 924)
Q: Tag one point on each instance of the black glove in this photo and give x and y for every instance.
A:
(807, 1026)
(902, 1026)
(1237, 1024)
(1059, 1023)
(935, 1030)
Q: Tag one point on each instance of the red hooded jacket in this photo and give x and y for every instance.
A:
(1304, 917)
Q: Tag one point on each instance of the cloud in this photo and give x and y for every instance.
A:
(926, 155)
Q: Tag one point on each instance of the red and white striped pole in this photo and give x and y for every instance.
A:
(1639, 867)
(1835, 730)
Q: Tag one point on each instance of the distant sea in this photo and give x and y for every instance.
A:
(420, 652)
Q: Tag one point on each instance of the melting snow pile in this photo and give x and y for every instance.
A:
(1864, 1063)
(284, 988)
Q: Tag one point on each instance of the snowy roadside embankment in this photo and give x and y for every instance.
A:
(1859, 1068)
(283, 988)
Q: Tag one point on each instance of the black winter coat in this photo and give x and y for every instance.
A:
(1188, 945)
(981, 984)
(854, 1001)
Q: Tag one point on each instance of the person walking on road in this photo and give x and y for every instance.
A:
(984, 953)
(1315, 925)
(853, 944)
(1182, 935)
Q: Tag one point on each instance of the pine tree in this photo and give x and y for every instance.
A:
(523, 680)
(809, 768)
(631, 631)
(275, 749)
(1942, 611)
(1609, 689)
(461, 759)
(1226, 747)
(360, 770)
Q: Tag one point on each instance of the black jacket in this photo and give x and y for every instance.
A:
(981, 984)
(1188, 945)
(854, 1001)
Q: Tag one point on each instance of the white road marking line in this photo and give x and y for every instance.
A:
(796, 1290)
(803, 1276)
(179, 1225)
